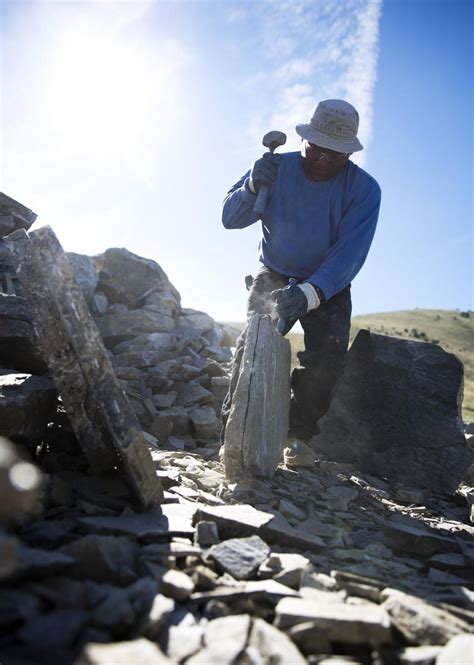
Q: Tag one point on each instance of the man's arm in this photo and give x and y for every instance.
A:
(237, 212)
(355, 234)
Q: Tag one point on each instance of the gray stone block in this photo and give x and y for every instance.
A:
(396, 413)
(103, 420)
(257, 428)
(18, 343)
(22, 216)
(27, 405)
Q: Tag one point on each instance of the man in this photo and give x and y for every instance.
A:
(317, 228)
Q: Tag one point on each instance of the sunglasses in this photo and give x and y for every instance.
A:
(321, 155)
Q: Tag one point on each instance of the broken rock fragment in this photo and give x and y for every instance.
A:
(18, 344)
(139, 652)
(61, 626)
(104, 558)
(240, 556)
(355, 624)
(224, 639)
(184, 641)
(27, 405)
(177, 585)
(273, 645)
(128, 278)
(22, 216)
(420, 622)
(205, 423)
(392, 416)
(459, 650)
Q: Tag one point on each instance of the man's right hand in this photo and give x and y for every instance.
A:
(264, 171)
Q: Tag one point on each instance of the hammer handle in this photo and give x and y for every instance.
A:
(261, 202)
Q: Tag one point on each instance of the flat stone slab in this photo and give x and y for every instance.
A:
(397, 413)
(257, 428)
(459, 650)
(38, 563)
(224, 639)
(354, 624)
(27, 405)
(140, 652)
(273, 645)
(166, 520)
(22, 216)
(245, 520)
(18, 344)
(103, 420)
(267, 590)
(408, 538)
(240, 556)
(419, 622)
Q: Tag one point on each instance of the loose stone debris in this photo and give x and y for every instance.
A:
(327, 565)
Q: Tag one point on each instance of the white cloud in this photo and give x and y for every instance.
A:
(315, 51)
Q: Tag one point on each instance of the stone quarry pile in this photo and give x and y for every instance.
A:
(328, 565)
(168, 358)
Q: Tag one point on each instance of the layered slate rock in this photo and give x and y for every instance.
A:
(20, 216)
(85, 274)
(127, 278)
(103, 420)
(355, 624)
(397, 413)
(18, 344)
(258, 422)
(27, 405)
(240, 556)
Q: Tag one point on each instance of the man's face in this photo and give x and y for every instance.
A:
(321, 163)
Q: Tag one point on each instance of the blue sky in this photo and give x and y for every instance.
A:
(123, 124)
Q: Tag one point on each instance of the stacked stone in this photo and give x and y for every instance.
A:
(17, 338)
(170, 360)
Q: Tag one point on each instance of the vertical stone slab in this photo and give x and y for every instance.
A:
(104, 422)
(257, 428)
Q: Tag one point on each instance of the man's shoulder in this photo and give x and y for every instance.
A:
(362, 180)
(291, 158)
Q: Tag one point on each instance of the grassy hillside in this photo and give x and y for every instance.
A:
(451, 329)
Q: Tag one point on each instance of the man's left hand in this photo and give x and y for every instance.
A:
(290, 302)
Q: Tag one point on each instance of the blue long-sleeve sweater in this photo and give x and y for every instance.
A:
(318, 232)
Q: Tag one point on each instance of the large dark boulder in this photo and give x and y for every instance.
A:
(18, 343)
(21, 217)
(397, 413)
(27, 405)
(127, 278)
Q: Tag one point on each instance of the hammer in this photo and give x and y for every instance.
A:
(271, 140)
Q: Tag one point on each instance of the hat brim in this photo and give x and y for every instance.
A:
(306, 131)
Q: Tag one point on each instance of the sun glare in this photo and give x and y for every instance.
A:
(103, 95)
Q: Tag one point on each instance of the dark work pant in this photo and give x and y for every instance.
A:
(326, 338)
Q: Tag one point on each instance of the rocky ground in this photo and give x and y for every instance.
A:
(317, 565)
(326, 564)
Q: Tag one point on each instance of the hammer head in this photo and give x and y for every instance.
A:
(274, 139)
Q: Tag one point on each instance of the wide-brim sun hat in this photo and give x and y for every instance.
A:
(333, 125)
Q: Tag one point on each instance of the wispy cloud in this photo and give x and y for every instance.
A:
(314, 51)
